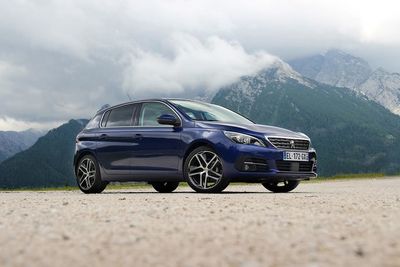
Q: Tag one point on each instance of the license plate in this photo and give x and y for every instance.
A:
(295, 156)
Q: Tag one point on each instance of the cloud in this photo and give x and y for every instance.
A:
(9, 71)
(11, 124)
(195, 67)
(64, 59)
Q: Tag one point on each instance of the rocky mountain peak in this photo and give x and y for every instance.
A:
(280, 71)
(335, 67)
(342, 69)
(384, 88)
(380, 72)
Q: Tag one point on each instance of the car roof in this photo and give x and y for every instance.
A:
(165, 100)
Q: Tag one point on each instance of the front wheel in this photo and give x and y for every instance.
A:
(281, 187)
(165, 187)
(88, 176)
(203, 171)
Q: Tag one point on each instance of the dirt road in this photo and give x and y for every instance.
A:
(344, 223)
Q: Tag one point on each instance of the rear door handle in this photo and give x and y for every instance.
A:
(138, 137)
(103, 136)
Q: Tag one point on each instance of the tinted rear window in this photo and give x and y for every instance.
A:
(105, 118)
(94, 123)
(121, 116)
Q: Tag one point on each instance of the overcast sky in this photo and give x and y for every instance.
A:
(64, 59)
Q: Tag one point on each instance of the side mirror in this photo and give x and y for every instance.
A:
(168, 119)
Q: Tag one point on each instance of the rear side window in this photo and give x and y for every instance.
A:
(94, 123)
(121, 116)
(105, 118)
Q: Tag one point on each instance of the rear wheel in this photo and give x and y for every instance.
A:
(165, 187)
(88, 176)
(281, 187)
(203, 171)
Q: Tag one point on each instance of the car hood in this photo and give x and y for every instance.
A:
(253, 129)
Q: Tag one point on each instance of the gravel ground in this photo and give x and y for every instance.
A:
(342, 223)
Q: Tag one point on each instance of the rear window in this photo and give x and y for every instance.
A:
(94, 122)
(121, 116)
(105, 118)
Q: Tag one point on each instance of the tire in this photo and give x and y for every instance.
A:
(165, 187)
(203, 171)
(88, 175)
(276, 187)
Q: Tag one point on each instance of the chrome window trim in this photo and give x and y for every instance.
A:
(138, 126)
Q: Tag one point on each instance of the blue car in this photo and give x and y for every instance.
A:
(167, 141)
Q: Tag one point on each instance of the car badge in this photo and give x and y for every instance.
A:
(292, 144)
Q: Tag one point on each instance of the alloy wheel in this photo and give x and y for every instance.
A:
(205, 169)
(86, 173)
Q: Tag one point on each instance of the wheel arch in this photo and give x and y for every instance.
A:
(80, 156)
(193, 146)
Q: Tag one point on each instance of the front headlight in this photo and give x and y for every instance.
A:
(243, 138)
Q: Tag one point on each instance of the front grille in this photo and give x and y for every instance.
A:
(288, 143)
(294, 166)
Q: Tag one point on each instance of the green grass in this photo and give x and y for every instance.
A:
(353, 176)
(356, 175)
(61, 188)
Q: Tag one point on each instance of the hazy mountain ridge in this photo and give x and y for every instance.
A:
(12, 142)
(47, 163)
(351, 133)
(341, 69)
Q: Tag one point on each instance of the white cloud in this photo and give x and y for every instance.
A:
(10, 124)
(194, 66)
(9, 71)
(64, 59)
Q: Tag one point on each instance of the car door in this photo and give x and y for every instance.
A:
(117, 140)
(159, 146)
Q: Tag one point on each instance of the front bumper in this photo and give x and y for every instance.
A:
(264, 164)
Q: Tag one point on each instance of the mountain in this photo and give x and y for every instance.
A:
(383, 87)
(351, 133)
(47, 163)
(12, 142)
(335, 68)
(341, 69)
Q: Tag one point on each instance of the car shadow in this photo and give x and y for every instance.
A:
(115, 192)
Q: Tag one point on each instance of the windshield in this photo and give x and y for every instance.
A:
(208, 112)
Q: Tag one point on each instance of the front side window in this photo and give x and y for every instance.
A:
(151, 111)
(121, 116)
